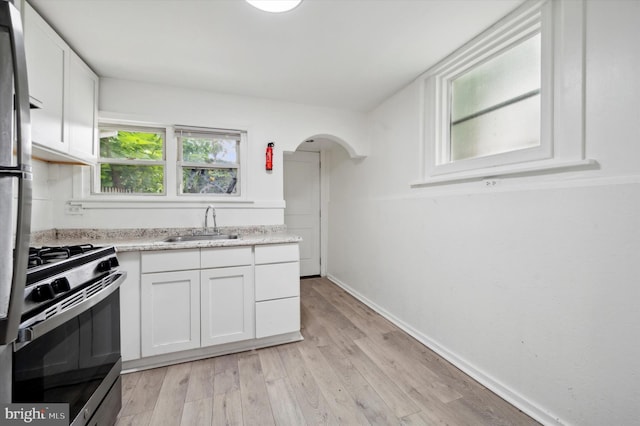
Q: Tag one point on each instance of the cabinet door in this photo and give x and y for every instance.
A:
(277, 280)
(227, 299)
(82, 110)
(46, 54)
(224, 257)
(170, 312)
(169, 260)
(275, 253)
(278, 316)
(130, 305)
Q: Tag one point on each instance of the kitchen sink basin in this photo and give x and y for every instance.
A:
(203, 237)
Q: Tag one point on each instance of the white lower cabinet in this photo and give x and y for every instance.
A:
(277, 289)
(277, 281)
(170, 312)
(191, 303)
(194, 308)
(226, 305)
(278, 316)
(130, 306)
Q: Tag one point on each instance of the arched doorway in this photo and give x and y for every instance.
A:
(306, 190)
(302, 215)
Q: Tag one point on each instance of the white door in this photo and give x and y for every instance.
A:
(302, 213)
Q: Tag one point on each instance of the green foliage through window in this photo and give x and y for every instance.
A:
(120, 178)
(208, 181)
(132, 161)
(123, 154)
(209, 162)
(209, 150)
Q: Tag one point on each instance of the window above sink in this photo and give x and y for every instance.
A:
(209, 161)
(134, 163)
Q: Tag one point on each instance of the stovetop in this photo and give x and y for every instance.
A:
(45, 262)
(45, 255)
(55, 273)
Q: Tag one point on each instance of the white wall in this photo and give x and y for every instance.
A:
(41, 217)
(532, 285)
(286, 124)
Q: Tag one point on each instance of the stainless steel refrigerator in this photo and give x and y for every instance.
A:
(15, 185)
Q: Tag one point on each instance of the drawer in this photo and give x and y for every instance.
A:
(169, 260)
(227, 256)
(277, 253)
(277, 280)
(275, 317)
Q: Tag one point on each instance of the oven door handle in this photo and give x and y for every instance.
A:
(29, 333)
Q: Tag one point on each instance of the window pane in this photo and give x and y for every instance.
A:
(210, 150)
(131, 145)
(208, 181)
(129, 179)
(514, 127)
(495, 107)
(500, 79)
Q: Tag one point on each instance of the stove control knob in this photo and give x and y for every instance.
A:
(104, 266)
(60, 285)
(42, 292)
(107, 265)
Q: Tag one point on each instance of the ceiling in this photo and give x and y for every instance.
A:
(349, 54)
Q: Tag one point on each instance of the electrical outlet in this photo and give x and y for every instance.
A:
(489, 182)
(73, 209)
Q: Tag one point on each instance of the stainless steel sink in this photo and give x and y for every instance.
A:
(203, 237)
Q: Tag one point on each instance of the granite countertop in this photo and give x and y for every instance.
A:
(143, 239)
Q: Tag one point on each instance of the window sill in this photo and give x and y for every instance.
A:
(536, 168)
(142, 202)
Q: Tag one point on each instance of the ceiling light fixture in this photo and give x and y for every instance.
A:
(274, 6)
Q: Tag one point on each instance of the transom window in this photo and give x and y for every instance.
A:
(495, 106)
(510, 101)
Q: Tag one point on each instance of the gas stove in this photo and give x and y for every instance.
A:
(57, 273)
(68, 345)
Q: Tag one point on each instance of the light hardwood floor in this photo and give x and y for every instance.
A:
(353, 368)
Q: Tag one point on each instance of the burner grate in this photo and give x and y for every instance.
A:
(43, 255)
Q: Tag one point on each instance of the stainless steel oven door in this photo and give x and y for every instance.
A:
(74, 356)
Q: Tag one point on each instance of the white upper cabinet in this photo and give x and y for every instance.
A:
(82, 113)
(46, 55)
(64, 129)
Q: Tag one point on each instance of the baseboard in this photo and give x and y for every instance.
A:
(504, 392)
(163, 360)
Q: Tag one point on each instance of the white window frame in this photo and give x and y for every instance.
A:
(561, 24)
(204, 132)
(97, 188)
(86, 178)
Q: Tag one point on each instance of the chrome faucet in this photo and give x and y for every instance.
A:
(206, 219)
